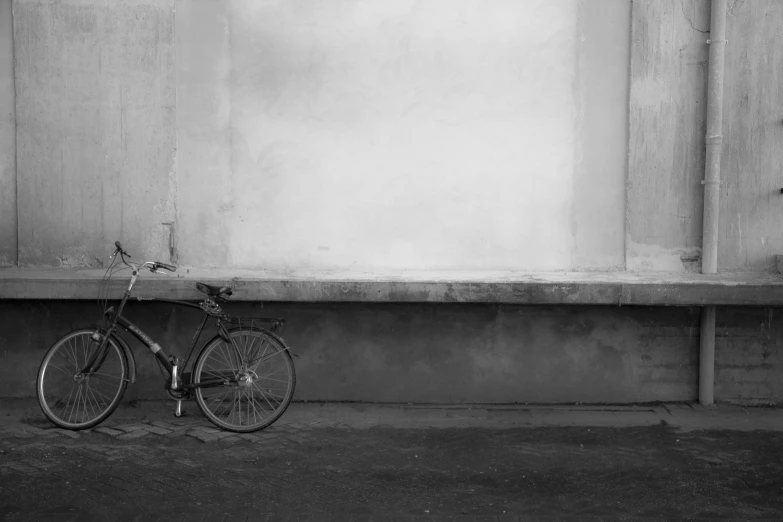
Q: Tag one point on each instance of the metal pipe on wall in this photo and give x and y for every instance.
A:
(714, 139)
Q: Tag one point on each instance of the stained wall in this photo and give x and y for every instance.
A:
(450, 353)
(96, 128)
(356, 135)
(669, 66)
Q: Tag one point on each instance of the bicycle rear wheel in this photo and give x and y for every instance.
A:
(252, 381)
(74, 400)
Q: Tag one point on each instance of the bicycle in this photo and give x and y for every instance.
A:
(243, 378)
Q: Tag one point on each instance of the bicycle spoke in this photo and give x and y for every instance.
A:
(84, 349)
(249, 397)
(82, 405)
(264, 397)
(88, 402)
(257, 404)
(103, 376)
(233, 370)
(75, 401)
(266, 375)
(237, 396)
(107, 398)
(275, 380)
(79, 405)
(69, 350)
(220, 399)
(221, 396)
(255, 410)
(265, 394)
(61, 369)
(97, 402)
(266, 400)
(250, 349)
(227, 359)
(263, 357)
(59, 404)
(85, 389)
(214, 374)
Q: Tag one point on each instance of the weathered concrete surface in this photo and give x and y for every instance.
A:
(205, 136)
(667, 122)
(358, 136)
(95, 109)
(451, 353)
(601, 167)
(373, 136)
(7, 139)
(385, 135)
(594, 288)
(751, 210)
(667, 128)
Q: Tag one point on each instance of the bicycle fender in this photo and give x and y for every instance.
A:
(128, 355)
(270, 334)
(257, 329)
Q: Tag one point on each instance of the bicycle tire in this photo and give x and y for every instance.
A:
(264, 401)
(90, 405)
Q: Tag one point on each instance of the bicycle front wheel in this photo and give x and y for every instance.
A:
(246, 385)
(75, 400)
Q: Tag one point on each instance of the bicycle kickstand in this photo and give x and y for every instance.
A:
(178, 411)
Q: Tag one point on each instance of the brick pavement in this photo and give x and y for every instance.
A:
(155, 418)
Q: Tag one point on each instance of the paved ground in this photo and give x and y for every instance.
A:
(398, 462)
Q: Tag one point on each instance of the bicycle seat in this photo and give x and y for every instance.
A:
(213, 291)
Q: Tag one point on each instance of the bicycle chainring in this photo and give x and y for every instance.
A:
(180, 395)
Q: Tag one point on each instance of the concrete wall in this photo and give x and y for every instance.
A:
(7, 139)
(398, 135)
(95, 129)
(356, 135)
(602, 91)
(751, 210)
(452, 353)
(667, 128)
(668, 124)
(373, 135)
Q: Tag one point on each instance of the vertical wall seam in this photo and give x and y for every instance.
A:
(173, 235)
(16, 126)
(626, 205)
(578, 94)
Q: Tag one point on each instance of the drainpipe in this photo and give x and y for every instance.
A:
(709, 260)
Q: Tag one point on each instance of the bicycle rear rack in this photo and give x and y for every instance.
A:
(273, 324)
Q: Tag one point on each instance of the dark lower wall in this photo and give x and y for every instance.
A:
(450, 353)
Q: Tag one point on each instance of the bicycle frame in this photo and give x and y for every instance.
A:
(234, 380)
(170, 363)
(153, 346)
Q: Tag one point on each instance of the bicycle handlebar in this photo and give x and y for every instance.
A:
(151, 265)
(170, 268)
(120, 250)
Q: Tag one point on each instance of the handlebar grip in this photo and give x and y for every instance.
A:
(120, 250)
(170, 268)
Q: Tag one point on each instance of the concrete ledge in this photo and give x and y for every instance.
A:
(577, 288)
